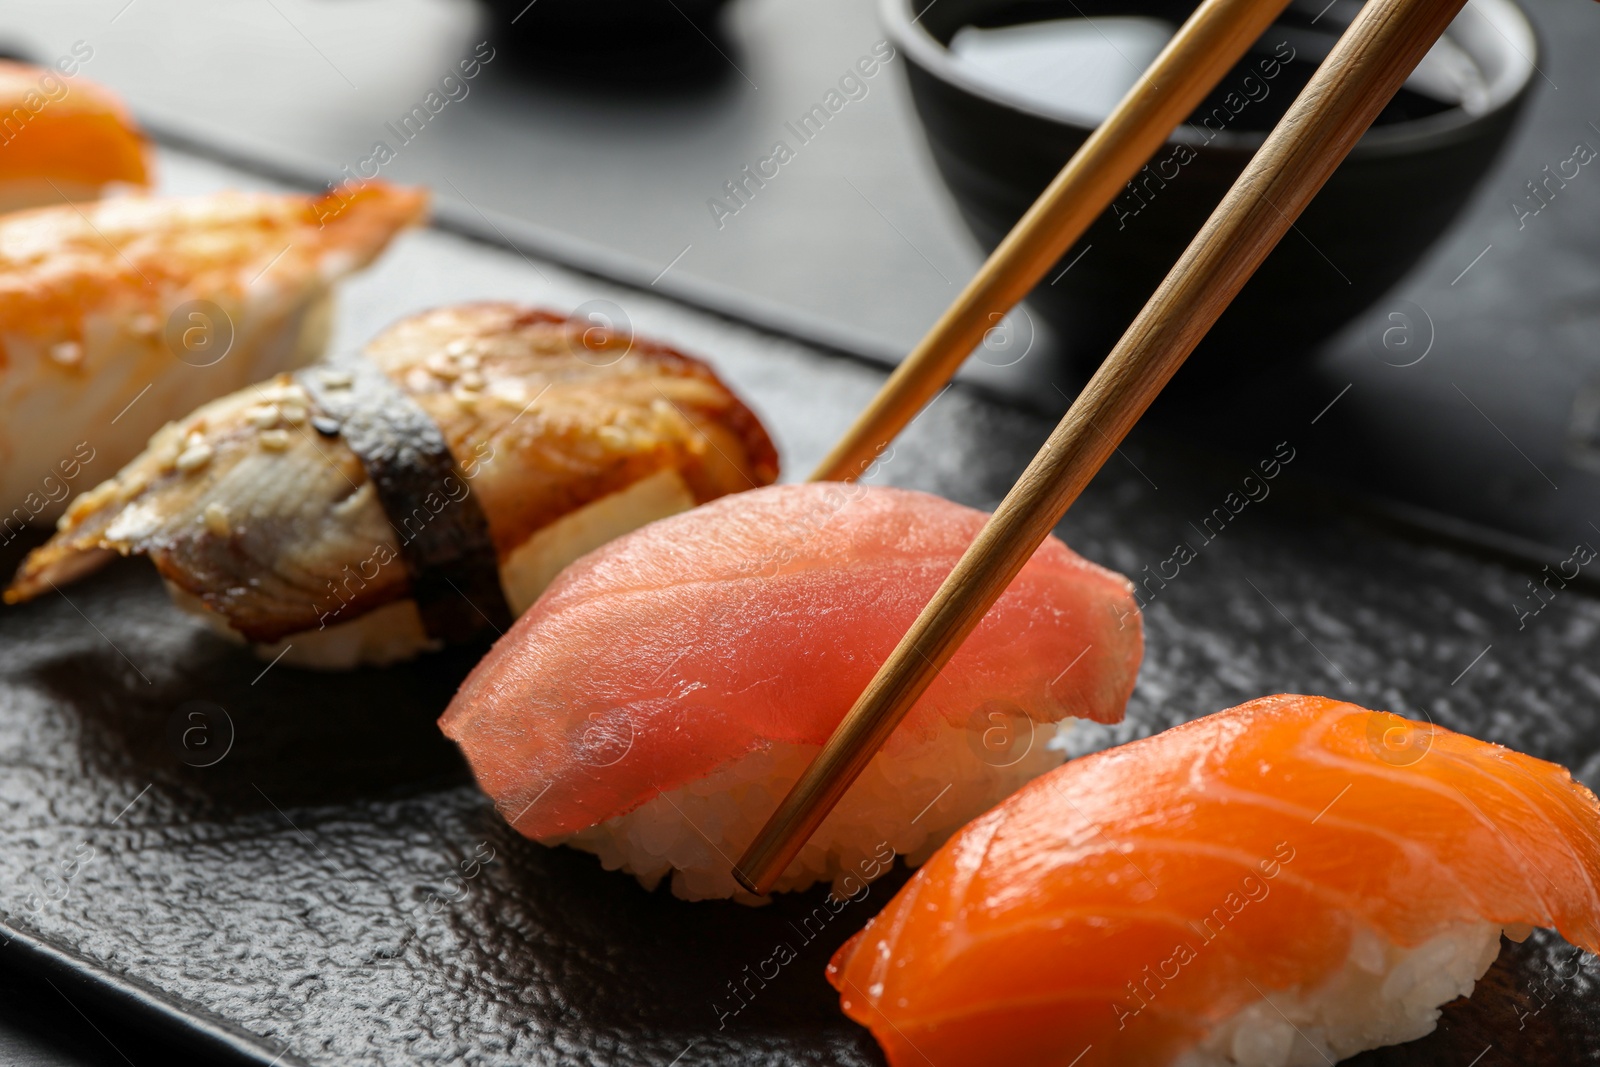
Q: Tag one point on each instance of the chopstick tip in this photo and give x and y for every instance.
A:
(747, 883)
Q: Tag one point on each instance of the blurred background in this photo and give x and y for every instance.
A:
(605, 135)
(605, 150)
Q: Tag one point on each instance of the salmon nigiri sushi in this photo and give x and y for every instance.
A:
(665, 692)
(1283, 884)
(62, 137)
(120, 314)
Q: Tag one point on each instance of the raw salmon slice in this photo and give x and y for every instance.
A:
(1288, 882)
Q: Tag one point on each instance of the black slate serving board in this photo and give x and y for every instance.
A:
(283, 867)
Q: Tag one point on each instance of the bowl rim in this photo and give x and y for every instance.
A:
(1450, 126)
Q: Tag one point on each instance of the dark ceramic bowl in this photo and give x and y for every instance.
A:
(1398, 190)
(627, 41)
(624, 18)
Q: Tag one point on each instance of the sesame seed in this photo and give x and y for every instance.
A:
(472, 380)
(263, 415)
(194, 457)
(216, 519)
(67, 353)
(294, 414)
(335, 379)
(275, 440)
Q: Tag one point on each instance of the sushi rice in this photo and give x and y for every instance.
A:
(912, 801)
(1383, 995)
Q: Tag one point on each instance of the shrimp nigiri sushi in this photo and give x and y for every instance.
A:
(62, 137)
(1283, 884)
(120, 314)
(665, 692)
(363, 511)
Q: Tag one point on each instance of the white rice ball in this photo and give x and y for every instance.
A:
(906, 805)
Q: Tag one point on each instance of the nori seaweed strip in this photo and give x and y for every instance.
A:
(443, 534)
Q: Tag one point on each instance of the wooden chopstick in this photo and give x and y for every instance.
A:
(1364, 70)
(1205, 48)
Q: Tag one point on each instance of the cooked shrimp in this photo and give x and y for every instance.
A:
(118, 315)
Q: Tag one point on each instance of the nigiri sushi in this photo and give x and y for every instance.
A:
(118, 315)
(62, 137)
(1283, 884)
(661, 697)
(363, 511)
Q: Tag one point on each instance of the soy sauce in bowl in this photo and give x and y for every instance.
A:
(1007, 90)
(1082, 67)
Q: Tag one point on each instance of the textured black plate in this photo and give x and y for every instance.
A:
(320, 885)
(331, 889)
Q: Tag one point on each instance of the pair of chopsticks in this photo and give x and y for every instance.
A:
(1366, 68)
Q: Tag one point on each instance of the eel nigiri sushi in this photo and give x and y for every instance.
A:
(1277, 885)
(62, 137)
(120, 314)
(365, 510)
(665, 692)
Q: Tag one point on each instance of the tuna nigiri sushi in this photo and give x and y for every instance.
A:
(118, 315)
(62, 137)
(1283, 884)
(665, 692)
(362, 512)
